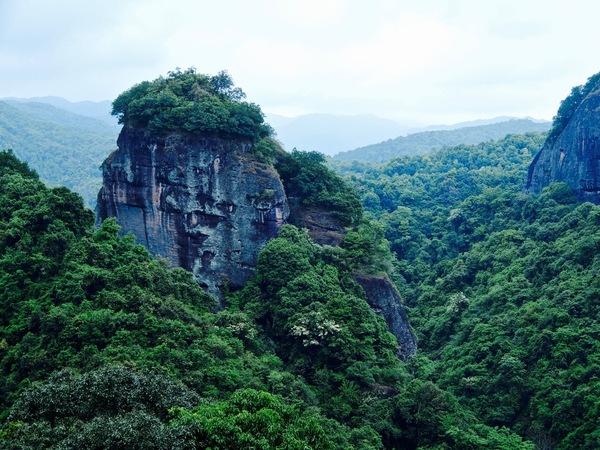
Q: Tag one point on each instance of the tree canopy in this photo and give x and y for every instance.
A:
(502, 287)
(187, 101)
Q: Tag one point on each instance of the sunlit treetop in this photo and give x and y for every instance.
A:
(188, 101)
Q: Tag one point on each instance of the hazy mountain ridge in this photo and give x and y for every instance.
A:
(64, 148)
(330, 133)
(97, 110)
(419, 143)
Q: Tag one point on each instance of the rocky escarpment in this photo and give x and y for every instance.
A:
(208, 205)
(323, 226)
(205, 204)
(381, 294)
(572, 153)
(383, 297)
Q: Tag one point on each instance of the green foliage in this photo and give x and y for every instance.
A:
(256, 419)
(305, 300)
(102, 346)
(502, 286)
(111, 407)
(267, 150)
(307, 179)
(191, 102)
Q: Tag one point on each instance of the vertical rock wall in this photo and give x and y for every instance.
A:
(574, 155)
(205, 204)
(383, 297)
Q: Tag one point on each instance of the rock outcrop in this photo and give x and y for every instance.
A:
(205, 204)
(383, 297)
(572, 155)
(208, 205)
(323, 226)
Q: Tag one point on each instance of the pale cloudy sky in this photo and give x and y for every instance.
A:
(427, 61)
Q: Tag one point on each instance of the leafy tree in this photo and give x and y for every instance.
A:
(187, 101)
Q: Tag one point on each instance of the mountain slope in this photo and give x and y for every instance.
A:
(419, 143)
(329, 134)
(502, 286)
(96, 110)
(64, 148)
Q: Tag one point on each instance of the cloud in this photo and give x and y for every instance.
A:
(427, 61)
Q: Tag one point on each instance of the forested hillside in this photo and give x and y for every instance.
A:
(427, 141)
(102, 346)
(502, 286)
(66, 149)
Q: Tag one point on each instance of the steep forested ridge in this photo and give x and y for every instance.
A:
(502, 286)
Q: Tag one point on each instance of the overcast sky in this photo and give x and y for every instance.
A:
(421, 61)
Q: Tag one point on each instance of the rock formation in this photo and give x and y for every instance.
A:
(572, 154)
(381, 294)
(322, 226)
(205, 204)
(209, 205)
(383, 297)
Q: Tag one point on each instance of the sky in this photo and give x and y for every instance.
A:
(419, 62)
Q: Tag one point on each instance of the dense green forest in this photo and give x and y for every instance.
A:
(502, 287)
(427, 141)
(65, 149)
(102, 346)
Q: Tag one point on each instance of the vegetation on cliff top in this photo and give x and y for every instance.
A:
(188, 101)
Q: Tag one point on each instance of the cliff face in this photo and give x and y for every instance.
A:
(209, 206)
(573, 156)
(383, 297)
(323, 226)
(205, 204)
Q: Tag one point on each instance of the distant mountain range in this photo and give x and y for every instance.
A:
(96, 110)
(65, 142)
(419, 143)
(64, 148)
(330, 134)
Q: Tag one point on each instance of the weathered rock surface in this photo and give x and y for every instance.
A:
(573, 156)
(323, 226)
(203, 203)
(383, 297)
